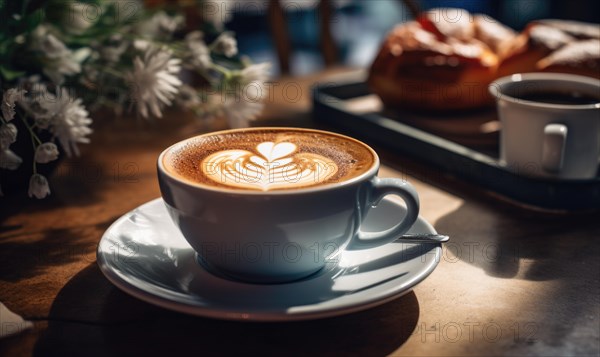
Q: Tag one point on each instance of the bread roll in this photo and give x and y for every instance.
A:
(579, 30)
(500, 38)
(535, 43)
(417, 69)
(581, 57)
(445, 60)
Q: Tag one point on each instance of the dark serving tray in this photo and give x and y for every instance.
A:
(332, 104)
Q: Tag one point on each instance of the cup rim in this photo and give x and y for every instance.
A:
(495, 89)
(372, 171)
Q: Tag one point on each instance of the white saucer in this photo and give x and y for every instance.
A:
(145, 255)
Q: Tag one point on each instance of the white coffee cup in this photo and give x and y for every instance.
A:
(283, 235)
(548, 140)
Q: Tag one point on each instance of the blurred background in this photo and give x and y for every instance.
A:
(356, 28)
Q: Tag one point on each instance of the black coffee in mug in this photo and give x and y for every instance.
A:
(559, 97)
(550, 121)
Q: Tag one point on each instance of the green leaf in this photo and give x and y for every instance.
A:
(10, 74)
(34, 19)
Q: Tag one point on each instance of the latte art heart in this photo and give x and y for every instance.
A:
(272, 166)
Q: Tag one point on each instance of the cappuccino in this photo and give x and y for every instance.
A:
(268, 159)
(273, 205)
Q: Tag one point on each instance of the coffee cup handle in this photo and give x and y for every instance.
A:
(553, 151)
(379, 188)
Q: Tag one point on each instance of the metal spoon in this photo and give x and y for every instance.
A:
(423, 238)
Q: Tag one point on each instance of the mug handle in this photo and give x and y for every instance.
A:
(378, 189)
(553, 151)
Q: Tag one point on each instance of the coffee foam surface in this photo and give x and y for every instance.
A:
(265, 160)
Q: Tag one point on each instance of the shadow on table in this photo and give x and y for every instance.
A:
(516, 244)
(27, 252)
(558, 252)
(507, 240)
(27, 258)
(92, 317)
(561, 250)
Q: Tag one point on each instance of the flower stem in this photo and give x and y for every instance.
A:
(30, 129)
(34, 150)
(221, 69)
(35, 141)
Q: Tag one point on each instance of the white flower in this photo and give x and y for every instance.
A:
(141, 45)
(38, 186)
(40, 104)
(67, 119)
(154, 81)
(199, 54)
(256, 72)
(8, 135)
(57, 59)
(194, 36)
(114, 49)
(9, 160)
(45, 153)
(249, 82)
(250, 90)
(159, 26)
(10, 97)
(239, 112)
(226, 45)
(47, 43)
(31, 103)
(39, 111)
(80, 17)
(167, 24)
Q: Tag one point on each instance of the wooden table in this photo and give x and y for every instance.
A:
(511, 281)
